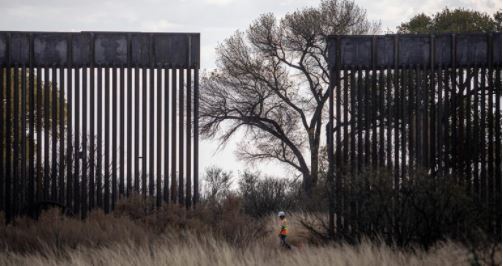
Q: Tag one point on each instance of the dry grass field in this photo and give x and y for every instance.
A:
(208, 251)
(174, 236)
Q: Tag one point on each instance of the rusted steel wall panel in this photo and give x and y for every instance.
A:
(428, 104)
(118, 49)
(98, 119)
(470, 49)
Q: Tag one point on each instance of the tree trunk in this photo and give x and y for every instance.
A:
(314, 165)
(311, 178)
(308, 184)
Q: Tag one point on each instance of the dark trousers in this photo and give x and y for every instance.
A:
(283, 242)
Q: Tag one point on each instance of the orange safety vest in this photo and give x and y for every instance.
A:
(284, 227)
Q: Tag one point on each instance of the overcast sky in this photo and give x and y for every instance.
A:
(214, 19)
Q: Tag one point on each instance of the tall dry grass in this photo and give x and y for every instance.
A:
(205, 250)
(213, 235)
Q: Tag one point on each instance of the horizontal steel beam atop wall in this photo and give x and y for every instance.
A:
(101, 49)
(414, 49)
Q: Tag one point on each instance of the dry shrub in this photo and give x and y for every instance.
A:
(54, 231)
(214, 233)
(134, 207)
(227, 220)
(133, 221)
(224, 219)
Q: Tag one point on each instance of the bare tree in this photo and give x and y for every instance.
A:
(272, 81)
(217, 183)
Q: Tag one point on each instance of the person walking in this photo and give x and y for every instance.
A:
(283, 233)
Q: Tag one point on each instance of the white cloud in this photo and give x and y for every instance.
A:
(214, 19)
(160, 25)
(393, 12)
(219, 2)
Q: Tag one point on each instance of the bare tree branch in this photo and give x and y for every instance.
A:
(272, 81)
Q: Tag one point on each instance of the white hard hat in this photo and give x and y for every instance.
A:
(281, 213)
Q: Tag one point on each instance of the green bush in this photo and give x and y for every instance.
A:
(265, 195)
(423, 210)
